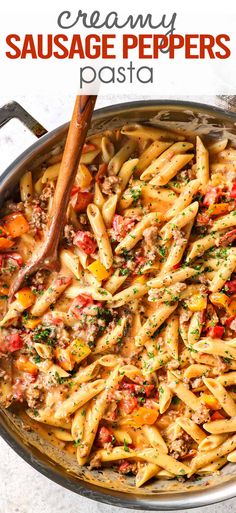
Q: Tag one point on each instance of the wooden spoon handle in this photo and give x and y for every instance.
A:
(81, 117)
(46, 256)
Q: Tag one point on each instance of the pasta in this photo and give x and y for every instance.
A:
(127, 351)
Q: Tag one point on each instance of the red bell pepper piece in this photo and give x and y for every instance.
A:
(230, 286)
(228, 238)
(216, 331)
(230, 320)
(233, 191)
(211, 196)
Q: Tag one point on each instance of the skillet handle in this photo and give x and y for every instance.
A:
(14, 110)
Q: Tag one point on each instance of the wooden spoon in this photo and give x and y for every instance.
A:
(46, 257)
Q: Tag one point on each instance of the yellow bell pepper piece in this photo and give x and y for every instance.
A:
(219, 299)
(83, 177)
(197, 303)
(98, 270)
(210, 401)
(79, 350)
(231, 309)
(139, 279)
(30, 324)
(26, 297)
(144, 416)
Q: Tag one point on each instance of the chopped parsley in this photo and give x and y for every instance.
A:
(126, 447)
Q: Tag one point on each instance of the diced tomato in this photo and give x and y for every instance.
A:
(149, 389)
(191, 454)
(11, 343)
(128, 404)
(87, 147)
(138, 389)
(56, 321)
(125, 467)
(216, 331)
(104, 436)
(85, 241)
(233, 191)
(211, 196)
(230, 286)
(63, 280)
(229, 320)
(140, 260)
(82, 200)
(177, 266)
(79, 303)
(217, 416)
(203, 219)
(128, 386)
(101, 172)
(13, 256)
(228, 238)
(121, 226)
(74, 190)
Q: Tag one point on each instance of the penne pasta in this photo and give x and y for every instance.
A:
(154, 322)
(179, 221)
(79, 397)
(202, 163)
(218, 427)
(136, 233)
(123, 353)
(120, 157)
(221, 394)
(101, 235)
(170, 169)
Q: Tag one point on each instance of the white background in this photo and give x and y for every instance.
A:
(177, 76)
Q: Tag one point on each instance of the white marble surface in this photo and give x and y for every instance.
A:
(23, 489)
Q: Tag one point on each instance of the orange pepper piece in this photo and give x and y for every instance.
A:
(144, 416)
(210, 401)
(64, 359)
(232, 307)
(6, 243)
(24, 365)
(15, 224)
(30, 324)
(219, 299)
(218, 209)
